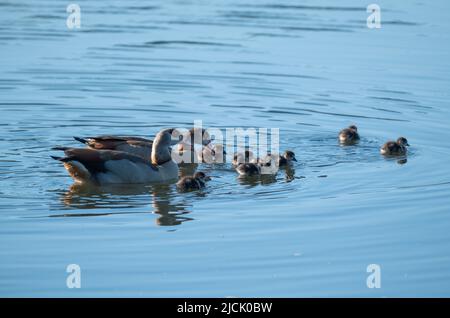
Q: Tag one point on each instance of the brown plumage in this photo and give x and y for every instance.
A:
(195, 182)
(349, 135)
(395, 148)
(249, 169)
(135, 145)
(286, 159)
(246, 157)
(138, 146)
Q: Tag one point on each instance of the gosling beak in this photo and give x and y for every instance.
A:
(407, 144)
(207, 178)
(206, 142)
(294, 159)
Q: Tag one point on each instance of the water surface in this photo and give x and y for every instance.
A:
(309, 68)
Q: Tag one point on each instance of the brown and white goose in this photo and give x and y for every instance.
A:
(103, 167)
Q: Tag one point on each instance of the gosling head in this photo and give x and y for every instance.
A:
(203, 133)
(353, 127)
(290, 155)
(201, 176)
(403, 141)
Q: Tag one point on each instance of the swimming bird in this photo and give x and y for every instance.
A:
(139, 146)
(246, 157)
(349, 135)
(103, 167)
(395, 148)
(286, 158)
(267, 166)
(195, 182)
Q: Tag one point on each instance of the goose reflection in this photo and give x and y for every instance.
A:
(170, 213)
(171, 209)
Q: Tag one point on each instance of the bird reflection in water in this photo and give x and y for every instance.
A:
(170, 207)
(266, 179)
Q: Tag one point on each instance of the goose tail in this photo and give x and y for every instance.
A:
(76, 169)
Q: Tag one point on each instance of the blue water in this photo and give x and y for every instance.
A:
(309, 68)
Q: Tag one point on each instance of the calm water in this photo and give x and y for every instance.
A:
(309, 68)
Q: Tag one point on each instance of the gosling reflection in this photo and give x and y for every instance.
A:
(253, 181)
(171, 209)
(289, 173)
(266, 179)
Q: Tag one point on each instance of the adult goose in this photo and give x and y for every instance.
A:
(104, 167)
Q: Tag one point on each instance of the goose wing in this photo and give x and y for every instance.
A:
(110, 142)
(134, 145)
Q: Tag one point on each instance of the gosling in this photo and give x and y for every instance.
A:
(191, 183)
(395, 148)
(246, 157)
(349, 135)
(262, 166)
(286, 159)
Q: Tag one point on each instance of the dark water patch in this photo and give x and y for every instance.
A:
(307, 124)
(311, 103)
(258, 15)
(389, 91)
(392, 99)
(286, 112)
(331, 100)
(105, 28)
(352, 115)
(273, 35)
(307, 7)
(46, 17)
(237, 106)
(179, 42)
(318, 29)
(386, 110)
(14, 4)
(402, 23)
(282, 75)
